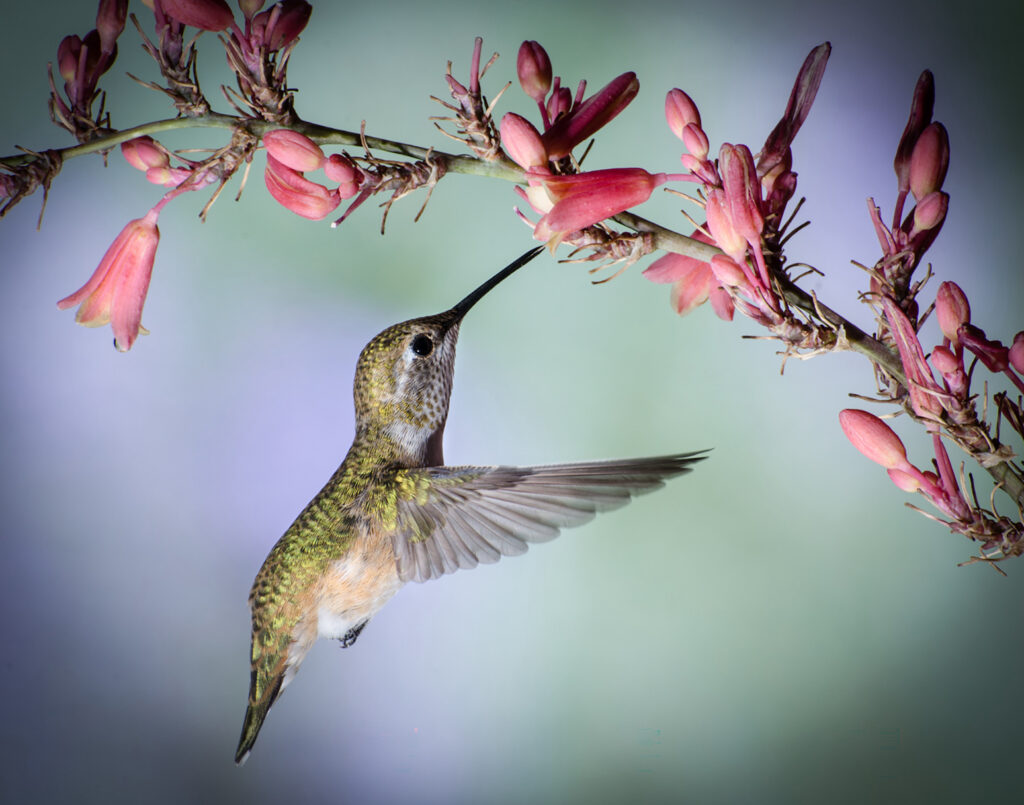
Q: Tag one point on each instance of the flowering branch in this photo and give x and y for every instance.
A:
(733, 257)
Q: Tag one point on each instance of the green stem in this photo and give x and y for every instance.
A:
(501, 168)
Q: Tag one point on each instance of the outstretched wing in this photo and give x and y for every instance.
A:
(447, 518)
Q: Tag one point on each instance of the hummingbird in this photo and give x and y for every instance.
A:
(394, 513)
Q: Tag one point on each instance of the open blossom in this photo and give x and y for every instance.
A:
(693, 282)
(116, 291)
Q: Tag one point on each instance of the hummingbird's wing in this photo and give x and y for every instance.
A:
(447, 518)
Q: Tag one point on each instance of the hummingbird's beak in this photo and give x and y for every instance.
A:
(463, 307)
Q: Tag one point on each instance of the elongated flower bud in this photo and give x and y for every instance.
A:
(873, 438)
(523, 142)
(952, 310)
(929, 161)
(534, 69)
(295, 150)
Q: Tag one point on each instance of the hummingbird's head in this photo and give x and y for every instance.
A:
(404, 377)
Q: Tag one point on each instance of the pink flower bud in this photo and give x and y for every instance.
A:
(290, 22)
(534, 69)
(168, 177)
(696, 141)
(873, 438)
(930, 211)
(523, 142)
(67, 57)
(920, 116)
(904, 480)
(342, 169)
(110, 19)
(680, 112)
(116, 291)
(250, 7)
(143, 153)
(207, 15)
(951, 309)
(929, 161)
(294, 191)
(951, 367)
(720, 226)
(742, 191)
(295, 150)
(559, 103)
(595, 112)
(945, 361)
(1017, 352)
(727, 272)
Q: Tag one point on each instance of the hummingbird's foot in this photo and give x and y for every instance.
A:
(350, 636)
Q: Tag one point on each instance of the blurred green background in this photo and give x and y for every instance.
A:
(776, 627)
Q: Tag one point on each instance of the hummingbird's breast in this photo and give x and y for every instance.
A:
(355, 586)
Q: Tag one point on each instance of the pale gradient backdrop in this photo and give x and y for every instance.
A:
(776, 627)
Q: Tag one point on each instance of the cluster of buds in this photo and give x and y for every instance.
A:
(290, 156)
(571, 203)
(1000, 537)
(744, 200)
(257, 52)
(81, 61)
(921, 161)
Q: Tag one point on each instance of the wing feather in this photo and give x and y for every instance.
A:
(459, 517)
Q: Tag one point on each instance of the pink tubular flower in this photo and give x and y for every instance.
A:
(207, 15)
(116, 291)
(595, 112)
(295, 150)
(534, 69)
(921, 383)
(294, 191)
(583, 199)
(742, 192)
(801, 97)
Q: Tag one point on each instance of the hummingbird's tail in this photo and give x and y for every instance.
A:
(255, 713)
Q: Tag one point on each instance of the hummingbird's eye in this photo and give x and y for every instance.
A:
(422, 345)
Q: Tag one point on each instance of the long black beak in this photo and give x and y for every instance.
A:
(463, 307)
